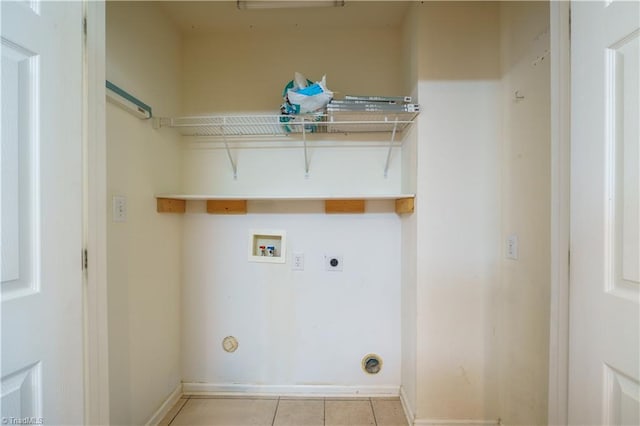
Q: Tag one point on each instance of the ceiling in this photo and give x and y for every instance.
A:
(224, 16)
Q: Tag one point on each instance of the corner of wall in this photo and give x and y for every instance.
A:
(457, 205)
(524, 293)
(144, 252)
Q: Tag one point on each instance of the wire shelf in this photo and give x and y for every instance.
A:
(225, 126)
(274, 125)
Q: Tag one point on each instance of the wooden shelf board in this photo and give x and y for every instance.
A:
(237, 204)
(198, 197)
(344, 206)
(227, 206)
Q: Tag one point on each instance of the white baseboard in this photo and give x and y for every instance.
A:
(289, 390)
(454, 422)
(406, 407)
(166, 406)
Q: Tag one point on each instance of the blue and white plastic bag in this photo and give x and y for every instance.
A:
(311, 98)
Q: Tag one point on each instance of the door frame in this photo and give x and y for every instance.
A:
(96, 337)
(560, 39)
(95, 204)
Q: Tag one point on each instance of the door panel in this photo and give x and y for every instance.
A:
(604, 363)
(623, 74)
(41, 234)
(19, 184)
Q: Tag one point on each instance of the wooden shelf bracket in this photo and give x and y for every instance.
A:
(176, 203)
(405, 205)
(170, 205)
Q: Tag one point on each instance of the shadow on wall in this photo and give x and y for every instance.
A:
(459, 41)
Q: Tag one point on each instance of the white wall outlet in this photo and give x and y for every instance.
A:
(333, 263)
(119, 205)
(512, 247)
(297, 262)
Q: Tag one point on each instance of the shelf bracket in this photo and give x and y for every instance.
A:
(306, 155)
(234, 166)
(393, 136)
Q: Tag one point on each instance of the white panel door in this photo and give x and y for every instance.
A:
(41, 228)
(604, 363)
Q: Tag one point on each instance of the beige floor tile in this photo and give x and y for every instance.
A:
(226, 412)
(301, 397)
(300, 412)
(238, 396)
(347, 398)
(348, 413)
(388, 412)
(172, 413)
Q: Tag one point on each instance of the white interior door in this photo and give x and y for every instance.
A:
(604, 363)
(42, 353)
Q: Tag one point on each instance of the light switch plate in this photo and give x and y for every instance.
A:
(297, 262)
(119, 204)
(512, 247)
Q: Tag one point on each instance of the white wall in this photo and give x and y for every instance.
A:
(247, 70)
(482, 174)
(523, 328)
(280, 169)
(295, 329)
(437, 300)
(457, 250)
(409, 224)
(458, 210)
(144, 254)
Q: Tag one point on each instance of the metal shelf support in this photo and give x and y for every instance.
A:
(306, 155)
(393, 136)
(234, 166)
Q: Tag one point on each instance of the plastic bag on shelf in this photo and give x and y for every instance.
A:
(302, 96)
(311, 98)
(300, 81)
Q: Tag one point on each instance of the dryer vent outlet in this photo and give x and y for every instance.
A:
(372, 364)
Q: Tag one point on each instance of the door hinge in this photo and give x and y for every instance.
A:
(84, 26)
(85, 260)
(569, 22)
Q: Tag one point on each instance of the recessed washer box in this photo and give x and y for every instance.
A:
(267, 246)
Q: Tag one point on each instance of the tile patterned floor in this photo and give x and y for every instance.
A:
(283, 411)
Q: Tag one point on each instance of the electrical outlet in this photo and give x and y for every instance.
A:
(297, 262)
(119, 208)
(512, 247)
(333, 263)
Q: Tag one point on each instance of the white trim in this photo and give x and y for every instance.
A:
(560, 175)
(166, 406)
(455, 422)
(289, 390)
(317, 197)
(406, 407)
(95, 219)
